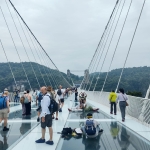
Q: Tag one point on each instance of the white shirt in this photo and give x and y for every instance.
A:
(45, 102)
(122, 97)
(62, 95)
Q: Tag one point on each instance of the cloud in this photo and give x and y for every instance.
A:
(70, 31)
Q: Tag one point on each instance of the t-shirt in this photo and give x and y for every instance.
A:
(62, 95)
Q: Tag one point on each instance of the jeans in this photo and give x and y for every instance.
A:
(113, 104)
(16, 98)
(122, 105)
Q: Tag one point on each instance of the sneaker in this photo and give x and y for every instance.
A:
(69, 109)
(40, 141)
(5, 129)
(56, 119)
(50, 142)
(38, 119)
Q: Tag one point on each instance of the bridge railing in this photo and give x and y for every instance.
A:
(139, 108)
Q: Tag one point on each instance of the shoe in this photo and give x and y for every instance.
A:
(38, 119)
(50, 142)
(5, 129)
(115, 114)
(60, 110)
(97, 109)
(111, 113)
(101, 130)
(53, 117)
(23, 114)
(123, 120)
(56, 119)
(40, 141)
(69, 109)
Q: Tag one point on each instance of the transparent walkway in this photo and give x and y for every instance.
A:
(25, 130)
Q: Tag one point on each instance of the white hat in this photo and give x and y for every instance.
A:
(25, 92)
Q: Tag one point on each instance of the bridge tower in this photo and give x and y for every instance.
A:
(86, 77)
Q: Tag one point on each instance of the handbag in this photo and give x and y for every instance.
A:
(125, 101)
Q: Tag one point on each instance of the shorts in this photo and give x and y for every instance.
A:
(62, 100)
(39, 104)
(4, 113)
(48, 121)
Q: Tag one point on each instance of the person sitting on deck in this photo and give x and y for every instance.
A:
(91, 127)
(83, 106)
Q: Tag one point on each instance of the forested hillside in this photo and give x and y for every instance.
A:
(133, 79)
(7, 80)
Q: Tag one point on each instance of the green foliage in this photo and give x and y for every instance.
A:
(133, 79)
(6, 78)
(134, 93)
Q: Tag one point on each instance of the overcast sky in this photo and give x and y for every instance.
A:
(70, 30)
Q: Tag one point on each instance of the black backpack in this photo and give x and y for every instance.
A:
(59, 92)
(53, 107)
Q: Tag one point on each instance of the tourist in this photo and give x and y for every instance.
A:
(16, 92)
(112, 99)
(76, 94)
(34, 95)
(91, 127)
(83, 106)
(38, 103)
(61, 93)
(46, 118)
(122, 98)
(52, 94)
(27, 102)
(23, 104)
(4, 109)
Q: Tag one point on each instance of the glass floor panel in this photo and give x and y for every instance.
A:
(17, 130)
(114, 137)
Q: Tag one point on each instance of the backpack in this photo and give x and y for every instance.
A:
(3, 104)
(59, 92)
(40, 97)
(53, 107)
(90, 128)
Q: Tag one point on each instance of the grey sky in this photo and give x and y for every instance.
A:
(70, 30)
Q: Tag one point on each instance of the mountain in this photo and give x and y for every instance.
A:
(51, 76)
(136, 79)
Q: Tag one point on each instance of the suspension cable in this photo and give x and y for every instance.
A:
(116, 46)
(131, 44)
(107, 37)
(23, 43)
(37, 41)
(16, 48)
(8, 63)
(110, 43)
(101, 38)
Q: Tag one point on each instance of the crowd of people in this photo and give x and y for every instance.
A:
(50, 103)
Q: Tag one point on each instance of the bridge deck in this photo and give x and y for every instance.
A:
(23, 132)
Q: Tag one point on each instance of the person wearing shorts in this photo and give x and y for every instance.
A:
(46, 117)
(4, 113)
(61, 98)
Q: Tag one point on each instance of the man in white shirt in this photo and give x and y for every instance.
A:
(46, 117)
(61, 94)
(91, 127)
